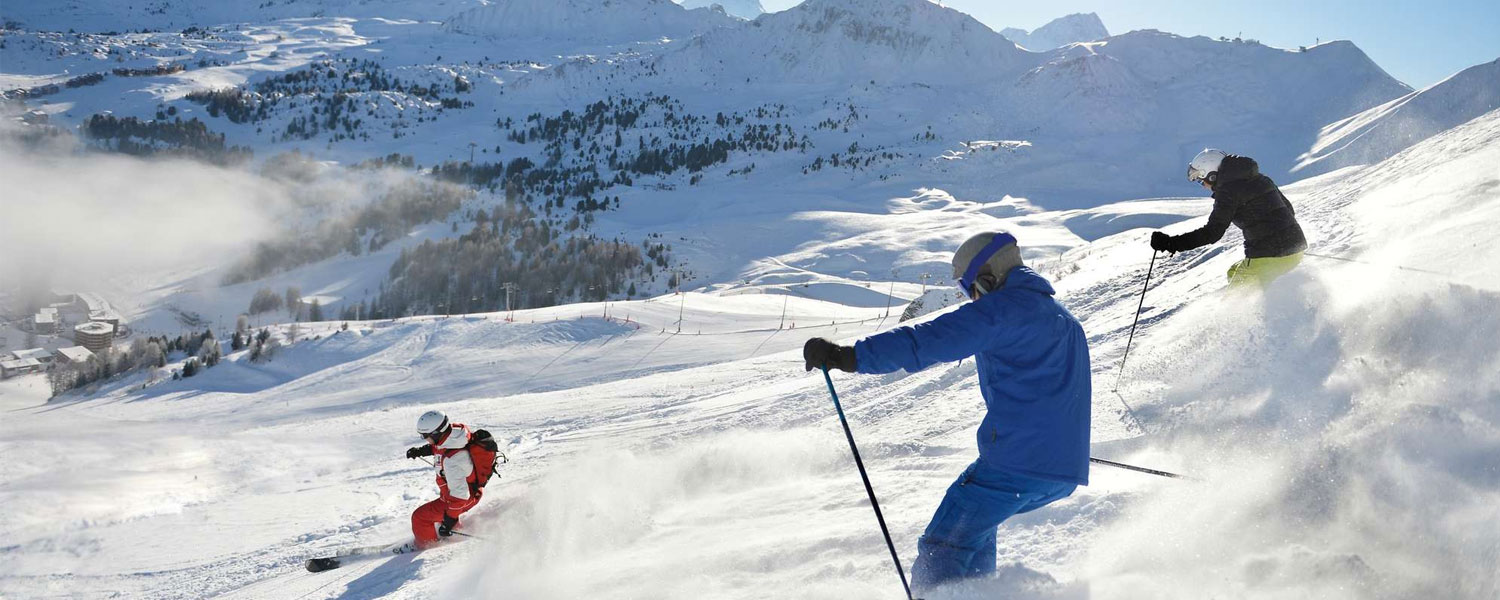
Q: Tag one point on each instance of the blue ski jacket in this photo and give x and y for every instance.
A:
(1033, 364)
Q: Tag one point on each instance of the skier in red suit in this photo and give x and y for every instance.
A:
(465, 461)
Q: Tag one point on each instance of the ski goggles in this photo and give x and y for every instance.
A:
(985, 254)
(1196, 176)
(437, 436)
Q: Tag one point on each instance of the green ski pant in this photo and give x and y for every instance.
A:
(1262, 271)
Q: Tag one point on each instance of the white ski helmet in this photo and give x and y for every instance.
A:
(434, 426)
(1205, 164)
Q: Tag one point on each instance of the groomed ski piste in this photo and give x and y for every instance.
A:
(1340, 433)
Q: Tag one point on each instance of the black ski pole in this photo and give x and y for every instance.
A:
(1137, 320)
(455, 532)
(868, 489)
(1135, 468)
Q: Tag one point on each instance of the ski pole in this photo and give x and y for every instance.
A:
(456, 532)
(1365, 262)
(1135, 468)
(870, 491)
(1121, 374)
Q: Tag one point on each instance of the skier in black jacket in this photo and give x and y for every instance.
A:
(1252, 202)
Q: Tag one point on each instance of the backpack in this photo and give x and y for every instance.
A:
(485, 453)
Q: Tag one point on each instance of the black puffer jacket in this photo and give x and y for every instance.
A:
(1252, 202)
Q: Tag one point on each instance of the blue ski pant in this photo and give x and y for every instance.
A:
(960, 540)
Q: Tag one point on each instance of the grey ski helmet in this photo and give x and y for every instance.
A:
(982, 262)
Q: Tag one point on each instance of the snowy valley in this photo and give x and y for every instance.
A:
(603, 230)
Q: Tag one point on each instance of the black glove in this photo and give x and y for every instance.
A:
(446, 529)
(819, 353)
(1162, 242)
(423, 450)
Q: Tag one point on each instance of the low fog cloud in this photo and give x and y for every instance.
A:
(73, 218)
(67, 216)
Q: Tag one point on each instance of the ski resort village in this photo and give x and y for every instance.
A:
(746, 299)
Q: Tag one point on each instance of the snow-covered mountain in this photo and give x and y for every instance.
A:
(1144, 100)
(585, 21)
(838, 42)
(1078, 27)
(94, 16)
(1125, 105)
(1377, 133)
(1222, 84)
(835, 94)
(744, 9)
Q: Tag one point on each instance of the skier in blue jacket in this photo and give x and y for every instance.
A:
(1033, 363)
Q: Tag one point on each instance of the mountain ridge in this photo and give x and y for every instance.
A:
(744, 9)
(844, 41)
(1076, 27)
(585, 21)
(1384, 130)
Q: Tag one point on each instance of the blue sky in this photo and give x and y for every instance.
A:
(1419, 43)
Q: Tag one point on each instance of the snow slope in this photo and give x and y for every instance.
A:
(1341, 422)
(1379, 132)
(1339, 430)
(1077, 27)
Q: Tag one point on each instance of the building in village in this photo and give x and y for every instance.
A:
(45, 321)
(94, 335)
(42, 355)
(73, 355)
(20, 366)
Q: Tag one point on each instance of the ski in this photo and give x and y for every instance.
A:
(341, 557)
